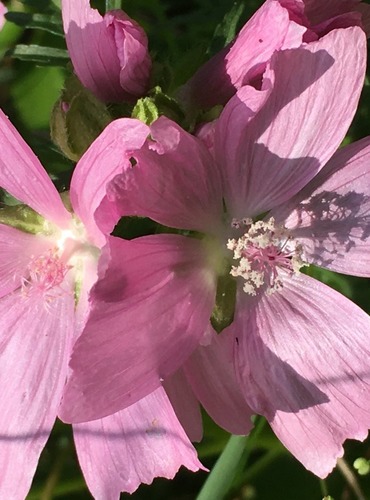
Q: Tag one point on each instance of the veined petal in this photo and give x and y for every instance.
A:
(331, 216)
(149, 311)
(133, 446)
(107, 156)
(185, 404)
(211, 372)
(284, 145)
(229, 146)
(173, 181)
(17, 250)
(303, 362)
(245, 59)
(35, 346)
(23, 176)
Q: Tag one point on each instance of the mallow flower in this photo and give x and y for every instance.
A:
(271, 197)
(276, 25)
(49, 252)
(109, 53)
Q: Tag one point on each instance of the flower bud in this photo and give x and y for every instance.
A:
(109, 53)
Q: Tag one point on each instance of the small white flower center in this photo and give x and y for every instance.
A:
(263, 251)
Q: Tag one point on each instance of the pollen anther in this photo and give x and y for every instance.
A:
(263, 251)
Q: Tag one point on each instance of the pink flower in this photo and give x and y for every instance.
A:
(270, 200)
(109, 54)
(45, 278)
(277, 25)
(3, 11)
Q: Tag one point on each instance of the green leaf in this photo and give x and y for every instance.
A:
(225, 31)
(40, 5)
(34, 93)
(47, 22)
(48, 56)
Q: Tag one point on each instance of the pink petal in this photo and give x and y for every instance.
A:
(284, 145)
(133, 446)
(106, 52)
(185, 404)
(210, 370)
(17, 250)
(330, 217)
(22, 175)
(107, 156)
(34, 360)
(245, 59)
(3, 11)
(206, 133)
(149, 311)
(303, 361)
(189, 198)
(230, 138)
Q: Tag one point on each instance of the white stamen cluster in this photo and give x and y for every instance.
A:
(262, 251)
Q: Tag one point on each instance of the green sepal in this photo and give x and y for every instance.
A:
(145, 110)
(211, 114)
(77, 119)
(148, 109)
(23, 218)
(223, 312)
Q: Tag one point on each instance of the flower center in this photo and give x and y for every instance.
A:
(45, 273)
(263, 251)
(70, 251)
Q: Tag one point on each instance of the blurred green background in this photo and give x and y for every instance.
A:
(180, 34)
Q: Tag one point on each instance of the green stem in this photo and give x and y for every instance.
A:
(112, 5)
(351, 478)
(324, 488)
(222, 475)
(230, 463)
